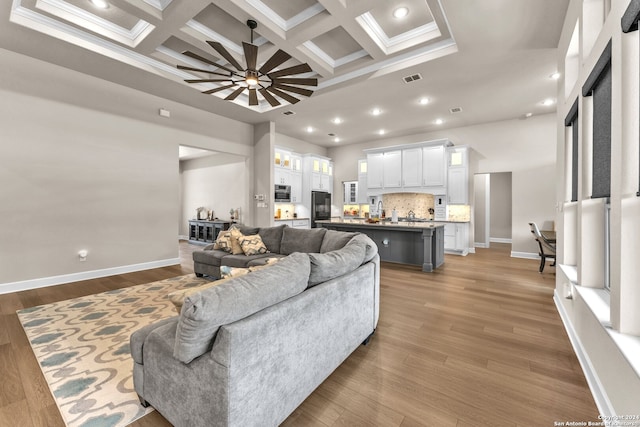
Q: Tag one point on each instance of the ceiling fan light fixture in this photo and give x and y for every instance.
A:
(251, 78)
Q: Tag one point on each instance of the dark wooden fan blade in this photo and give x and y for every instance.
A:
(208, 80)
(205, 60)
(218, 89)
(225, 54)
(235, 94)
(295, 81)
(278, 58)
(270, 99)
(283, 95)
(296, 69)
(294, 89)
(253, 97)
(250, 55)
(200, 70)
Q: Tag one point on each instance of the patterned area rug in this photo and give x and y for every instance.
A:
(82, 346)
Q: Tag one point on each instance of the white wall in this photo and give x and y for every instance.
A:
(299, 146)
(78, 177)
(219, 182)
(527, 148)
(481, 209)
(501, 205)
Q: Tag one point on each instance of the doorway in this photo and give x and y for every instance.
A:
(492, 208)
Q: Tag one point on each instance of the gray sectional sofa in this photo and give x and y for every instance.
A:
(248, 351)
(280, 241)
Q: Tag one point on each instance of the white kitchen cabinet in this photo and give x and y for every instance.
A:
(296, 162)
(392, 172)
(375, 170)
(457, 157)
(456, 238)
(362, 181)
(282, 176)
(411, 167)
(300, 223)
(296, 186)
(321, 182)
(458, 186)
(433, 166)
(282, 158)
(350, 192)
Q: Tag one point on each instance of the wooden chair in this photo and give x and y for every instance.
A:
(547, 249)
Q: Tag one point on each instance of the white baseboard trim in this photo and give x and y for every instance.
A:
(472, 250)
(527, 255)
(480, 245)
(84, 275)
(599, 394)
(183, 237)
(499, 240)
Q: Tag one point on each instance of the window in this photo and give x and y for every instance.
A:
(598, 85)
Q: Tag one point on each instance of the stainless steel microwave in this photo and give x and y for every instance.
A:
(282, 194)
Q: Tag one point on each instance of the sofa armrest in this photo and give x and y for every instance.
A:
(136, 342)
(209, 247)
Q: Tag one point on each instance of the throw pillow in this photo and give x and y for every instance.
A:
(177, 297)
(223, 241)
(252, 245)
(236, 249)
(333, 264)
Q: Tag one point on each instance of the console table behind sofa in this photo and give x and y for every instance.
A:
(206, 231)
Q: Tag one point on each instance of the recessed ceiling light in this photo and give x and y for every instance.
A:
(337, 120)
(548, 102)
(439, 121)
(376, 111)
(555, 76)
(309, 129)
(381, 132)
(528, 114)
(424, 101)
(336, 140)
(400, 12)
(100, 4)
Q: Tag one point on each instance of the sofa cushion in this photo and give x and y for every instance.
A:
(241, 260)
(335, 240)
(246, 230)
(177, 297)
(272, 236)
(213, 257)
(301, 240)
(370, 246)
(229, 272)
(336, 263)
(252, 245)
(204, 312)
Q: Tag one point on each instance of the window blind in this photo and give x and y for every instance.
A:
(598, 85)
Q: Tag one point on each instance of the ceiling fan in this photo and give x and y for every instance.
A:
(263, 80)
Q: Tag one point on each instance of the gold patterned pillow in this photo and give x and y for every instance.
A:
(252, 245)
(223, 242)
(236, 234)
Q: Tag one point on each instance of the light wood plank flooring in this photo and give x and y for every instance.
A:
(476, 343)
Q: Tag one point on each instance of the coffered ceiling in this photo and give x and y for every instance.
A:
(490, 58)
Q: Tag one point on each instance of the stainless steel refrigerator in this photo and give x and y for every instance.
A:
(320, 207)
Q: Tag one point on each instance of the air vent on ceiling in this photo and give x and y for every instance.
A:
(455, 110)
(288, 113)
(412, 78)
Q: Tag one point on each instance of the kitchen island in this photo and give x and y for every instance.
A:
(415, 243)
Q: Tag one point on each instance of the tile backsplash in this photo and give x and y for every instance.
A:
(419, 203)
(459, 213)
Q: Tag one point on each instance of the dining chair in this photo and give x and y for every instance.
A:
(547, 249)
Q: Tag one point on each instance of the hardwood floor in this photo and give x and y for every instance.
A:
(476, 343)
